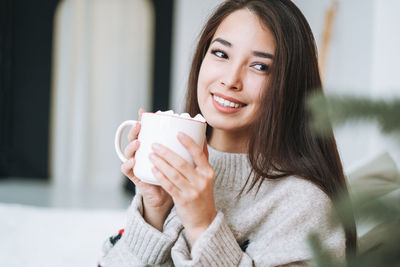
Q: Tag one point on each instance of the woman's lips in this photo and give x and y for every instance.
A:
(231, 99)
(226, 105)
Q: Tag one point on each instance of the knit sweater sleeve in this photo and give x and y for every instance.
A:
(281, 240)
(141, 244)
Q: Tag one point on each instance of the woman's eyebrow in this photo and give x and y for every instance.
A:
(263, 54)
(255, 53)
(222, 41)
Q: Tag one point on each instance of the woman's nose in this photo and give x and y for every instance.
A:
(232, 78)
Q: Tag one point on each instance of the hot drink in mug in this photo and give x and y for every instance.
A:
(162, 128)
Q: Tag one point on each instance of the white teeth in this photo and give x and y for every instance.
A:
(226, 103)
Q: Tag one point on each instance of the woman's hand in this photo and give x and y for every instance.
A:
(156, 202)
(191, 187)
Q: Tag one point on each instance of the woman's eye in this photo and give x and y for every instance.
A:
(219, 53)
(261, 67)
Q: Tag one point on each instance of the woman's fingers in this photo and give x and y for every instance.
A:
(199, 157)
(135, 180)
(141, 111)
(172, 172)
(127, 167)
(174, 160)
(205, 148)
(134, 132)
(135, 129)
(131, 149)
(165, 183)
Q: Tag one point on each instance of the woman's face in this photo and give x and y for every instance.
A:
(235, 71)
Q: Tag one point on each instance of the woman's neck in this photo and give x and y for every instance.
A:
(232, 142)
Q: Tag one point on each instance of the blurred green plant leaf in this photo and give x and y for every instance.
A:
(340, 109)
(384, 212)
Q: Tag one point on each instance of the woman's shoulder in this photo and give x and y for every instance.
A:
(297, 183)
(303, 207)
(298, 190)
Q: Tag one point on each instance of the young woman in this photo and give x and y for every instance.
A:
(264, 181)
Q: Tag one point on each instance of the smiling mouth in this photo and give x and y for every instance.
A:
(226, 103)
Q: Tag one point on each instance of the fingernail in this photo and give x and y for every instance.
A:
(156, 147)
(181, 135)
(152, 157)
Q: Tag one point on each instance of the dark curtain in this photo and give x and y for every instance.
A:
(25, 75)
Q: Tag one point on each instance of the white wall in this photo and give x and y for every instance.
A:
(348, 63)
(385, 69)
(102, 67)
(189, 18)
(362, 60)
(386, 45)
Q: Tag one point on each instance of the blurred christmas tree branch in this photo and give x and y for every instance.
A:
(340, 109)
(367, 206)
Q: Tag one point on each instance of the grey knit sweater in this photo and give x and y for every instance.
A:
(269, 228)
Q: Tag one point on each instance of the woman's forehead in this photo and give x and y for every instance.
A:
(244, 28)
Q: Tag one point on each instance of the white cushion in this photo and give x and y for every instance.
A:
(48, 237)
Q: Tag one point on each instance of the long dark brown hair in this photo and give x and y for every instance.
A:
(283, 143)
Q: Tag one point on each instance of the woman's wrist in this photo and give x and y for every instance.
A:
(155, 216)
(195, 232)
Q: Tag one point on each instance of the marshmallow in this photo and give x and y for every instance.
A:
(198, 117)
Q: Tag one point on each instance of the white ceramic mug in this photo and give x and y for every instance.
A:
(162, 129)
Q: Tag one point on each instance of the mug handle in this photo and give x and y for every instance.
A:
(117, 141)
